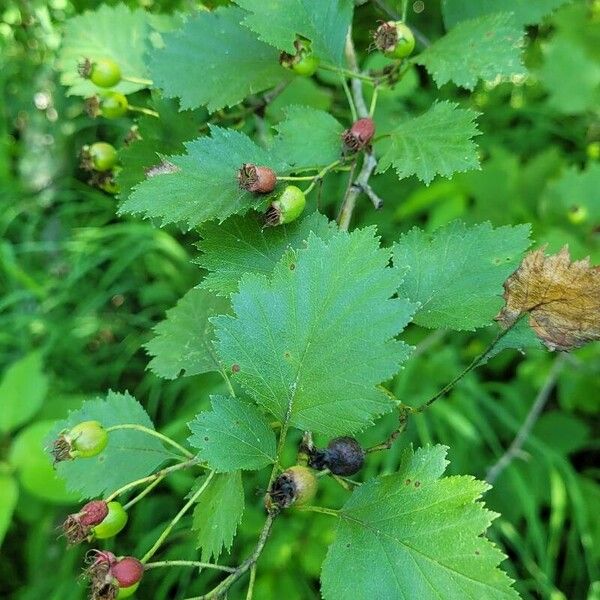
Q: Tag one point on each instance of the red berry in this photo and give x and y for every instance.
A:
(127, 571)
(93, 512)
(260, 180)
(359, 135)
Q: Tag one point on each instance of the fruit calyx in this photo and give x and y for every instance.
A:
(256, 179)
(359, 136)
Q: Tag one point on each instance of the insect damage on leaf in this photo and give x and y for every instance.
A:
(561, 297)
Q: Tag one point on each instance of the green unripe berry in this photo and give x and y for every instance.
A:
(577, 215)
(102, 156)
(126, 592)
(105, 73)
(113, 105)
(304, 62)
(287, 208)
(112, 523)
(87, 439)
(394, 39)
(306, 66)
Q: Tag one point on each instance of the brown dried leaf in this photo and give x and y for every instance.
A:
(562, 298)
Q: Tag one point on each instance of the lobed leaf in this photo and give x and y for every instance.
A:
(128, 455)
(202, 184)
(233, 435)
(214, 61)
(413, 534)
(456, 274)
(483, 48)
(311, 343)
(439, 142)
(278, 22)
(184, 341)
(243, 245)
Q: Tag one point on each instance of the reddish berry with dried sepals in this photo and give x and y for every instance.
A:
(359, 136)
(256, 179)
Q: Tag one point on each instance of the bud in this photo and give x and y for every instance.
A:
(296, 485)
(261, 180)
(359, 136)
(287, 208)
(395, 39)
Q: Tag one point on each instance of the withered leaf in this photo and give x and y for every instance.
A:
(561, 297)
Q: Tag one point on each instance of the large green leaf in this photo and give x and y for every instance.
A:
(233, 435)
(8, 501)
(22, 391)
(217, 514)
(456, 273)
(184, 341)
(214, 61)
(311, 343)
(413, 534)
(243, 245)
(325, 24)
(204, 183)
(128, 455)
(109, 32)
(524, 12)
(482, 48)
(308, 137)
(439, 142)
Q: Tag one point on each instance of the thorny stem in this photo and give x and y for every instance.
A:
(187, 563)
(163, 536)
(158, 475)
(160, 436)
(532, 416)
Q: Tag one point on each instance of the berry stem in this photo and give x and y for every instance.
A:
(292, 178)
(140, 80)
(404, 9)
(150, 478)
(144, 110)
(144, 492)
(160, 436)
(250, 591)
(320, 509)
(348, 73)
(187, 563)
(350, 100)
(165, 534)
(319, 176)
(373, 101)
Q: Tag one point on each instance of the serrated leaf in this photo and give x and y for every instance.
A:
(308, 138)
(413, 534)
(482, 48)
(278, 22)
(128, 455)
(217, 514)
(22, 391)
(204, 185)
(521, 337)
(109, 32)
(184, 341)
(214, 61)
(439, 142)
(162, 136)
(243, 245)
(456, 273)
(233, 435)
(524, 12)
(311, 343)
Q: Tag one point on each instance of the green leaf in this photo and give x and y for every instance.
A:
(204, 185)
(184, 341)
(439, 142)
(524, 12)
(233, 435)
(33, 465)
(128, 455)
(325, 24)
(8, 502)
(165, 135)
(571, 77)
(308, 138)
(22, 391)
(413, 534)
(217, 514)
(108, 32)
(214, 61)
(456, 273)
(311, 343)
(482, 48)
(521, 337)
(243, 245)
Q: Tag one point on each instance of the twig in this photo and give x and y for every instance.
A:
(153, 432)
(187, 563)
(532, 416)
(354, 191)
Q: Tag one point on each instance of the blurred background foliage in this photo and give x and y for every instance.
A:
(82, 288)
